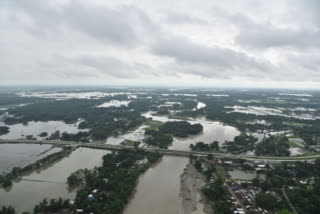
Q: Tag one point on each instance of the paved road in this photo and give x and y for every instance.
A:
(100, 145)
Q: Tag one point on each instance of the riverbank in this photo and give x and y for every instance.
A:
(193, 201)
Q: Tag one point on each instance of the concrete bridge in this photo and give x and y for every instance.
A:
(186, 153)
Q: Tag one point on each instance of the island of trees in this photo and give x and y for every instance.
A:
(163, 136)
(4, 130)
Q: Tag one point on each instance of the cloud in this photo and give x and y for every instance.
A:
(111, 66)
(209, 61)
(184, 18)
(122, 26)
(139, 41)
(265, 35)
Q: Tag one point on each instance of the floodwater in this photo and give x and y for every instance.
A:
(135, 135)
(115, 103)
(158, 189)
(79, 95)
(35, 128)
(212, 131)
(245, 175)
(49, 182)
(21, 155)
(305, 113)
(201, 105)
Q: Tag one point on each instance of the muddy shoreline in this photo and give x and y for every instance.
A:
(193, 201)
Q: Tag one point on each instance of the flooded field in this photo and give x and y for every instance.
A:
(245, 175)
(35, 128)
(158, 189)
(298, 112)
(49, 182)
(79, 95)
(21, 155)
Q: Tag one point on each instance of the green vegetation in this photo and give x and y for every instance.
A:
(102, 122)
(153, 124)
(200, 146)
(77, 178)
(180, 128)
(53, 206)
(241, 143)
(266, 201)
(273, 146)
(113, 183)
(43, 134)
(7, 210)
(216, 193)
(4, 130)
(221, 172)
(303, 178)
(162, 137)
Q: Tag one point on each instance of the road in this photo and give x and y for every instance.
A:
(288, 201)
(100, 145)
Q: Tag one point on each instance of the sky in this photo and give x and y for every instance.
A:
(209, 43)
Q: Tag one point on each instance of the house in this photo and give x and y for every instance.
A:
(90, 197)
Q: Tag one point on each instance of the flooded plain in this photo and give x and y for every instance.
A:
(298, 112)
(21, 155)
(134, 135)
(211, 131)
(49, 182)
(20, 130)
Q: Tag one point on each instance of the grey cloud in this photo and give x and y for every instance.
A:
(184, 18)
(111, 66)
(209, 61)
(275, 37)
(122, 26)
(265, 35)
(82, 40)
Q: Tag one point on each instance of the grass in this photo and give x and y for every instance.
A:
(221, 172)
(153, 124)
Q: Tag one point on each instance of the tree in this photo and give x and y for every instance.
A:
(7, 183)
(198, 165)
(7, 210)
(267, 201)
(215, 145)
(284, 212)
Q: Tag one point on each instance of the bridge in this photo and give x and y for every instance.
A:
(185, 153)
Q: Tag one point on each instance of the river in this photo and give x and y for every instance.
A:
(158, 189)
